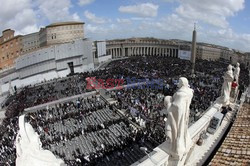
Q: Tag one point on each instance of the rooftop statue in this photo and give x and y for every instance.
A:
(178, 139)
(226, 87)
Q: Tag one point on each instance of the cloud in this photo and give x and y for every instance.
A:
(76, 17)
(18, 15)
(123, 20)
(143, 10)
(212, 12)
(85, 2)
(54, 11)
(169, 0)
(230, 38)
(175, 23)
(92, 17)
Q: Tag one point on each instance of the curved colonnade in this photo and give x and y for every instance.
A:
(142, 47)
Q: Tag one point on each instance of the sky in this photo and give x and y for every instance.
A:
(221, 22)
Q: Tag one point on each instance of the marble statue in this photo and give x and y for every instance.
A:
(237, 72)
(29, 148)
(178, 139)
(11, 90)
(226, 87)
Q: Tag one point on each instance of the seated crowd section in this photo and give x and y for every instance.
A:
(89, 131)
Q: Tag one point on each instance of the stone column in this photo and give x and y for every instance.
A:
(123, 52)
(129, 51)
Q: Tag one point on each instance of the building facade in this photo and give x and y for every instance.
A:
(30, 42)
(100, 52)
(10, 48)
(208, 52)
(61, 32)
(142, 47)
(48, 63)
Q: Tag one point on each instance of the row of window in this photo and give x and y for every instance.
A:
(6, 46)
(68, 27)
(9, 56)
(32, 48)
(31, 43)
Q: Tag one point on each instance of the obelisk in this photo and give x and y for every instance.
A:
(193, 53)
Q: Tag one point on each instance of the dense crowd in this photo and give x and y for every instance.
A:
(31, 96)
(87, 131)
(84, 130)
(145, 105)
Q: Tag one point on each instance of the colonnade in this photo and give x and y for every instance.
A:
(142, 51)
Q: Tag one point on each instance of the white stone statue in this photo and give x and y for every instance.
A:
(237, 72)
(11, 90)
(226, 87)
(28, 148)
(178, 139)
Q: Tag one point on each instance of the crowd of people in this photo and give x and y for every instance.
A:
(84, 130)
(8, 132)
(145, 105)
(31, 96)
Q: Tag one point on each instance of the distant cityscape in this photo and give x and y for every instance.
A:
(13, 46)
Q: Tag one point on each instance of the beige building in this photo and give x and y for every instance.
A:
(61, 32)
(10, 48)
(208, 52)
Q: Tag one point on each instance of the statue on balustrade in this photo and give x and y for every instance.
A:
(237, 72)
(226, 87)
(178, 139)
(29, 149)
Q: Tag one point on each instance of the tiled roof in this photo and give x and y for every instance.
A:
(235, 150)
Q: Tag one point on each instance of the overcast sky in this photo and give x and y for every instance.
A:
(222, 22)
